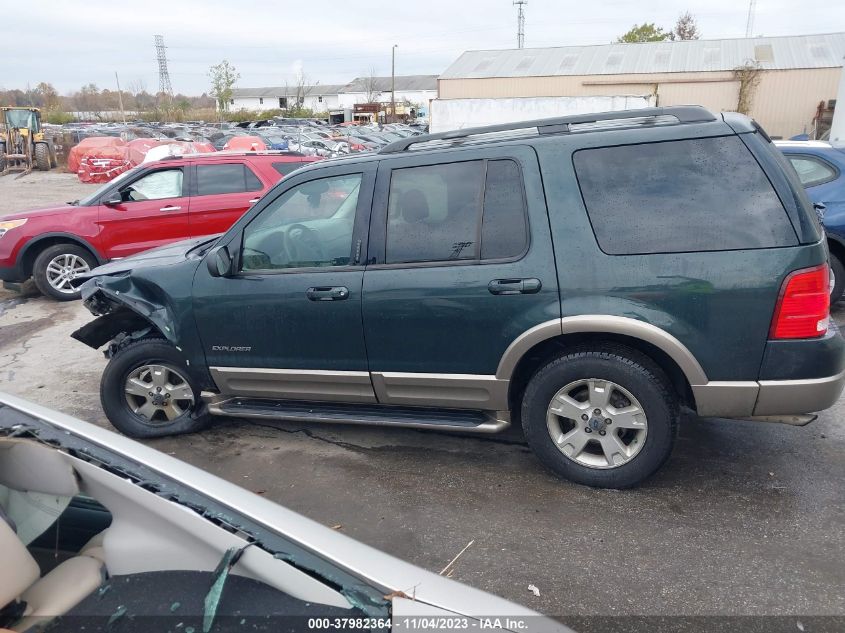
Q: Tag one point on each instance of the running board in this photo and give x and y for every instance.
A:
(463, 420)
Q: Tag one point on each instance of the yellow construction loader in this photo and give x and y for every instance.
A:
(22, 141)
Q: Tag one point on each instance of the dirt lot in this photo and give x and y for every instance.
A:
(745, 519)
(39, 189)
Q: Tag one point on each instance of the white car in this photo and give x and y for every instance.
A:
(101, 533)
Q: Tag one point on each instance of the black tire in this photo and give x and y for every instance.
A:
(2, 157)
(147, 351)
(39, 269)
(42, 156)
(838, 272)
(629, 369)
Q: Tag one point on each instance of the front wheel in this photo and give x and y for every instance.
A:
(56, 266)
(42, 156)
(147, 392)
(605, 418)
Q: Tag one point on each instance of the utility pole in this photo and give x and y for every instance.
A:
(120, 98)
(520, 23)
(837, 126)
(749, 23)
(393, 85)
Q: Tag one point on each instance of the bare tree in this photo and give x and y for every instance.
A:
(371, 89)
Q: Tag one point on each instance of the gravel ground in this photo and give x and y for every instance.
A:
(745, 519)
(39, 189)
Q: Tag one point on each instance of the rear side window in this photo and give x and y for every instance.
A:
(228, 178)
(504, 230)
(434, 212)
(285, 168)
(812, 171)
(679, 196)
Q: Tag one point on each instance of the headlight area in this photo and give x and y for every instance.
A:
(8, 225)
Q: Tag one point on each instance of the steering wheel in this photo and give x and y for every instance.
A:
(302, 244)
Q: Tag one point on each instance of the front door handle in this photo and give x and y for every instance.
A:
(170, 208)
(327, 293)
(254, 200)
(528, 286)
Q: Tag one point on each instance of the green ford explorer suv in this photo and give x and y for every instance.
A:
(585, 277)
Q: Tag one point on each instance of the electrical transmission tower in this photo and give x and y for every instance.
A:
(749, 24)
(163, 75)
(520, 23)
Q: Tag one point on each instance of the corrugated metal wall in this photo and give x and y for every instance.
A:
(784, 102)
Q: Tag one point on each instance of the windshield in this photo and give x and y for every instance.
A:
(89, 199)
(21, 119)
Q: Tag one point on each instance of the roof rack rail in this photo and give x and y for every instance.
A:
(558, 125)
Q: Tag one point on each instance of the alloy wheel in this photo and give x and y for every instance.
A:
(597, 423)
(158, 393)
(62, 269)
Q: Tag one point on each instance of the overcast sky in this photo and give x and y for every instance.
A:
(333, 41)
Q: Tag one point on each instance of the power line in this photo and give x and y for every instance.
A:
(163, 75)
(520, 23)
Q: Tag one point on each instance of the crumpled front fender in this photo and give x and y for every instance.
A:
(123, 305)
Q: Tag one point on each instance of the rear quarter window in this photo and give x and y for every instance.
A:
(706, 194)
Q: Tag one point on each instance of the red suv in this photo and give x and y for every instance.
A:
(151, 205)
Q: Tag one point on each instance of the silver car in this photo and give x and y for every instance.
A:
(98, 532)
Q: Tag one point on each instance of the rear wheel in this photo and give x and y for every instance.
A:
(57, 265)
(42, 156)
(837, 279)
(147, 392)
(3, 157)
(604, 418)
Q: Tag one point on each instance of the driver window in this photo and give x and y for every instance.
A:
(158, 185)
(310, 225)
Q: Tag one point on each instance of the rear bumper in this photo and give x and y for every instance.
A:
(779, 397)
(727, 399)
(801, 376)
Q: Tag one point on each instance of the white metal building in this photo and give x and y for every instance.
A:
(415, 89)
(796, 74)
(317, 98)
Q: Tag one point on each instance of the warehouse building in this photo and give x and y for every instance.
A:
(784, 80)
(317, 98)
(414, 89)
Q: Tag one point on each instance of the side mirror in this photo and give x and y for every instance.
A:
(219, 262)
(113, 200)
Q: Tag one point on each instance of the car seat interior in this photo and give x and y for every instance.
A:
(106, 542)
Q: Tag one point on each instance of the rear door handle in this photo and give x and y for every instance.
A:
(254, 200)
(327, 293)
(170, 208)
(528, 286)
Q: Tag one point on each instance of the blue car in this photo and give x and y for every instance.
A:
(821, 168)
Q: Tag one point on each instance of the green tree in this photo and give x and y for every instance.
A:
(686, 28)
(645, 32)
(223, 78)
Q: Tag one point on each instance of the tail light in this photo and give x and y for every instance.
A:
(803, 307)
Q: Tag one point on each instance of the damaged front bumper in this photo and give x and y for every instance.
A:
(123, 313)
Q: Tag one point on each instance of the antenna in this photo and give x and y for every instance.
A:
(520, 23)
(163, 76)
(749, 24)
